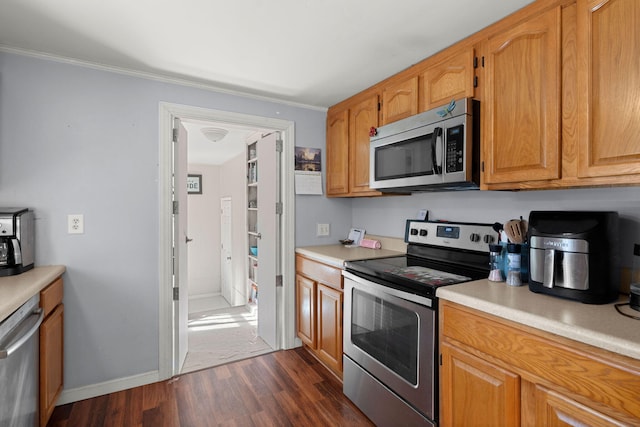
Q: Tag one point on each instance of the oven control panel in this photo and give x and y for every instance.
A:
(469, 236)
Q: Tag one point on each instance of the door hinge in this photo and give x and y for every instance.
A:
(440, 359)
(176, 294)
(278, 208)
(482, 166)
(475, 81)
(278, 146)
(379, 106)
(483, 62)
(175, 135)
(475, 62)
(279, 281)
(176, 207)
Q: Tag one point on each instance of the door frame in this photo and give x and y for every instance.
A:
(286, 320)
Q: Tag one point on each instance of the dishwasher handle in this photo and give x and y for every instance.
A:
(6, 352)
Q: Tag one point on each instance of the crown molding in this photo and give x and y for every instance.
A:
(154, 77)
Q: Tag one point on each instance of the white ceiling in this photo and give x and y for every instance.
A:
(310, 52)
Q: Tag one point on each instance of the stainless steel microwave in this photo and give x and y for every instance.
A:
(436, 150)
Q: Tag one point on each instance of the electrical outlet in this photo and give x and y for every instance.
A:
(75, 224)
(322, 230)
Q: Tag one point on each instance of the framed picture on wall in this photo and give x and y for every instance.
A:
(194, 184)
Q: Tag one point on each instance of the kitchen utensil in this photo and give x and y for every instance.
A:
(514, 231)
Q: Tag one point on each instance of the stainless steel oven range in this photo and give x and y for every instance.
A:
(391, 315)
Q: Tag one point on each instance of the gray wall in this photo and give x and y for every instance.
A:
(80, 140)
(385, 216)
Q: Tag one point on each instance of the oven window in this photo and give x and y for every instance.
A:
(387, 332)
(404, 159)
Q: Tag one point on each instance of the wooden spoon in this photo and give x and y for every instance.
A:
(514, 231)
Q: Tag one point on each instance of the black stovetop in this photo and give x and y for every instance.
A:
(423, 269)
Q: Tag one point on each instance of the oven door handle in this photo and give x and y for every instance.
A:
(428, 302)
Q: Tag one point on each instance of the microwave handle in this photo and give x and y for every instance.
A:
(435, 147)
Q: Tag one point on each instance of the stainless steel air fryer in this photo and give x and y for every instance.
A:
(574, 254)
(17, 240)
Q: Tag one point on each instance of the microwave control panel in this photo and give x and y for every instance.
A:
(455, 149)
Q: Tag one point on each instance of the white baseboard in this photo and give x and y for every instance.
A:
(93, 390)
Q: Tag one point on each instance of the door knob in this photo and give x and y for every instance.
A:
(259, 236)
(187, 239)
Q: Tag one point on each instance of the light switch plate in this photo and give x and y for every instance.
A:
(322, 230)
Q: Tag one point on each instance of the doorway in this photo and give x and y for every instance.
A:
(169, 328)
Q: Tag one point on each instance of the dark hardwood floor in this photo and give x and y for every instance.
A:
(285, 388)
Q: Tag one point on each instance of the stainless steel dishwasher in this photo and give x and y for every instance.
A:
(19, 366)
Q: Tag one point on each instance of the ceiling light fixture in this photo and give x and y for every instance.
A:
(214, 134)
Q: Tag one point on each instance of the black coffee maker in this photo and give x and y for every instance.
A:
(574, 254)
(17, 240)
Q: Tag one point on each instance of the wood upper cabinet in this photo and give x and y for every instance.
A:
(521, 105)
(608, 87)
(348, 148)
(400, 100)
(450, 79)
(505, 373)
(362, 117)
(319, 310)
(337, 153)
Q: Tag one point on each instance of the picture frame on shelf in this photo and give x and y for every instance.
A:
(194, 184)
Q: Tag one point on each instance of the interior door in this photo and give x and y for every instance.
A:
(268, 229)
(226, 224)
(180, 277)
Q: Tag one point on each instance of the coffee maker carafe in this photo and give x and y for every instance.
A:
(574, 254)
(17, 241)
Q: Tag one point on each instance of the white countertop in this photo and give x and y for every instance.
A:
(16, 290)
(336, 255)
(598, 325)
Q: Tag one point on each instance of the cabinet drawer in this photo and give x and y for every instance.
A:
(323, 273)
(51, 296)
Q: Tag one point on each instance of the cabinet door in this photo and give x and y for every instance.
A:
(521, 107)
(306, 310)
(450, 79)
(400, 100)
(555, 410)
(362, 118)
(338, 153)
(472, 389)
(51, 362)
(608, 87)
(330, 327)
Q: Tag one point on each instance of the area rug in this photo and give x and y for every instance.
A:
(222, 336)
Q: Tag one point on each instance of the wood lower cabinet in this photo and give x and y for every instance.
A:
(51, 349)
(485, 391)
(319, 311)
(497, 372)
